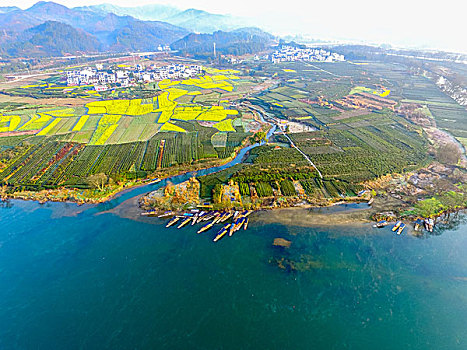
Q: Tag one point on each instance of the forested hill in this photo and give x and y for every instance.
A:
(52, 38)
(43, 29)
(237, 42)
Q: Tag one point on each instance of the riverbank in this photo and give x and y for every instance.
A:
(90, 196)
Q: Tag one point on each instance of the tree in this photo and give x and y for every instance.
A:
(452, 200)
(428, 207)
(448, 153)
(98, 181)
(259, 136)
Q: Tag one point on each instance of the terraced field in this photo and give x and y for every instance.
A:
(118, 137)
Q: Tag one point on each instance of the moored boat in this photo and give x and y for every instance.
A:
(418, 223)
(396, 226)
(165, 214)
(223, 231)
(236, 226)
(429, 224)
(381, 224)
(184, 222)
(245, 225)
(172, 221)
(401, 228)
(226, 216)
(206, 227)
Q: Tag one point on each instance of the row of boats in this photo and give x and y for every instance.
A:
(239, 220)
(399, 226)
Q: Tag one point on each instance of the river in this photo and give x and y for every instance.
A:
(79, 278)
(86, 278)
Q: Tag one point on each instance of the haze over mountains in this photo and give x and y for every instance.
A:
(50, 29)
(190, 19)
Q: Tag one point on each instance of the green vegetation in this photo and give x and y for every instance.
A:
(445, 202)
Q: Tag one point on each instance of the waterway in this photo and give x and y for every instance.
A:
(80, 278)
(93, 277)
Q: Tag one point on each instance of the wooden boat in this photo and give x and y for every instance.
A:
(429, 224)
(401, 228)
(197, 218)
(245, 224)
(381, 224)
(184, 222)
(418, 222)
(226, 216)
(167, 213)
(172, 221)
(235, 227)
(222, 232)
(396, 226)
(208, 216)
(206, 227)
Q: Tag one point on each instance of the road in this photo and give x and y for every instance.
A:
(292, 144)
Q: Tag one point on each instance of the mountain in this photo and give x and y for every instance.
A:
(53, 39)
(114, 32)
(191, 19)
(107, 27)
(154, 12)
(7, 9)
(17, 21)
(237, 42)
(50, 11)
(144, 36)
(205, 22)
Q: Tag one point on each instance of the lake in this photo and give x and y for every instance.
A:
(83, 278)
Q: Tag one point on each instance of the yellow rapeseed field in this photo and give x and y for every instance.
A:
(49, 127)
(171, 127)
(121, 107)
(79, 125)
(37, 122)
(9, 122)
(225, 125)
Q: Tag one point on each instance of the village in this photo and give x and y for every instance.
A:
(103, 78)
(291, 54)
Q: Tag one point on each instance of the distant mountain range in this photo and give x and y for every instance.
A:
(191, 19)
(8, 9)
(50, 29)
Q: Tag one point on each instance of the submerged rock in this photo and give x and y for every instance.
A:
(282, 242)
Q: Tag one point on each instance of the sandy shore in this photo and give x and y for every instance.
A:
(305, 216)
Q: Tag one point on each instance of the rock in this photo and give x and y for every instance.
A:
(282, 242)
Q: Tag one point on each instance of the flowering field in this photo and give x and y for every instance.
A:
(9, 122)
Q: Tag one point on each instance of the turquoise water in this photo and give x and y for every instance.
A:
(81, 278)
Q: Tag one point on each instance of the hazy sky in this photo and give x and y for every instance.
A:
(428, 23)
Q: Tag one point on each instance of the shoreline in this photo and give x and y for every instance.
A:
(120, 190)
